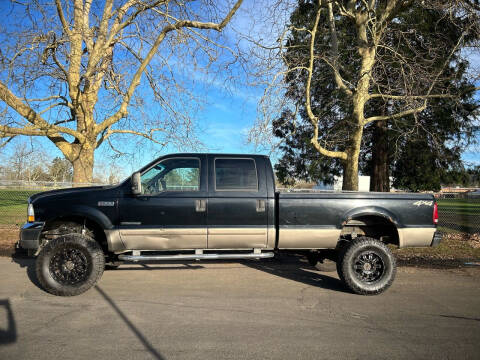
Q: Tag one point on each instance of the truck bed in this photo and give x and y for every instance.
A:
(308, 218)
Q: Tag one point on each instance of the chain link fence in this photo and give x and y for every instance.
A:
(14, 195)
(458, 212)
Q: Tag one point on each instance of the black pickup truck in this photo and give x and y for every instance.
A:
(217, 206)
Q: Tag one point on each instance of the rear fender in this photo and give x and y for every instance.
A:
(369, 211)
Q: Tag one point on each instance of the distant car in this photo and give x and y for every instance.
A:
(474, 194)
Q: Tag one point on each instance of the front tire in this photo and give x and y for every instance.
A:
(70, 265)
(366, 266)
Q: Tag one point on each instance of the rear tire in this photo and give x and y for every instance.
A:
(70, 265)
(366, 266)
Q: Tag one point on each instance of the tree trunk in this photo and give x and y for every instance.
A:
(380, 176)
(83, 166)
(350, 166)
(350, 174)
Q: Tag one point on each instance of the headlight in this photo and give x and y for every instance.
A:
(30, 213)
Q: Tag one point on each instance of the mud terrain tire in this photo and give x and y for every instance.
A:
(70, 265)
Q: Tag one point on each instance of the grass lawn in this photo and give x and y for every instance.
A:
(13, 205)
(459, 215)
(459, 206)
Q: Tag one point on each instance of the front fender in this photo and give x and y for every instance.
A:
(88, 212)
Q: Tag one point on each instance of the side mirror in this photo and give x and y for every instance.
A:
(136, 184)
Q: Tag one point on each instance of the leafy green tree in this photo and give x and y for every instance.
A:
(417, 169)
(422, 41)
(299, 161)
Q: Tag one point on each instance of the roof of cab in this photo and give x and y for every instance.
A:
(210, 155)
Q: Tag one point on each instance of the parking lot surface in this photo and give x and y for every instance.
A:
(278, 309)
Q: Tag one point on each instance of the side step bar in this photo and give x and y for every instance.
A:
(253, 255)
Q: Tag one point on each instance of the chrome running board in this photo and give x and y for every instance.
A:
(200, 256)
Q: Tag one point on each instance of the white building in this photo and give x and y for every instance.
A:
(363, 184)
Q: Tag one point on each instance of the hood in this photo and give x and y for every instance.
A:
(69, 192)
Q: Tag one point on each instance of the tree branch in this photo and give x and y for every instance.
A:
(32, 117)
(148, 135)
(447, 60)
(47, 98)
(95, 52)
(396, 115)
(426, 96)
(75, 55)
(53, 48)
(3, 144)
(52, 106)
(339, 80)
(119, 25)
(334, 65)
(6, 131)
(103, 42)
(87, 32)
(65, 147)
(313, 119)
(65, 26)
(138, 74)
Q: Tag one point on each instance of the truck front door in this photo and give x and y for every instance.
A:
(171, 211)
(237, 204)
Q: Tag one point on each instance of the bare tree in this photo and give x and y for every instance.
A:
(70, 71)
(60, 170)
(370, 60)
(26, 163)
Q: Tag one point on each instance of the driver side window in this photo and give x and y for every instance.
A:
(177, 174)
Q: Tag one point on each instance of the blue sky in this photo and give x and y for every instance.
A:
(223, 122)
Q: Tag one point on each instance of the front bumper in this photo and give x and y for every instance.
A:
(30, 235)
(437, 238)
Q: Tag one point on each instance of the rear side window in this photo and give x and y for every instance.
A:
(235, 175)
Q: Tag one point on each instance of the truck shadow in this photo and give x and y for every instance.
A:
(29, 264)
(8, 335)
(148, 346)
(293, 267)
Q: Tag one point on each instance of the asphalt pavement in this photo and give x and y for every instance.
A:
(274, 309)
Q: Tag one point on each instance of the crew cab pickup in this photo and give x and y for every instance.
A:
(217, 206)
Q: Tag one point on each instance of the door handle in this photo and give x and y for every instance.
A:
(200, 205)
(260, 205)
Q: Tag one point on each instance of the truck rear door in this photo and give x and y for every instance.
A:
(237, 204)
